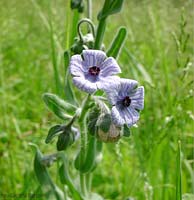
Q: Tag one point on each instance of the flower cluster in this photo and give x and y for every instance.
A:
(93, 70)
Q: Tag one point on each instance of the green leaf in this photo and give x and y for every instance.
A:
(43, 176)
(117, 43)
(48, 160)
(65, 178)
(40, 170)
(53, 132)
(104, 122)
(69, 93)
(79, 162)
(110, 7)
(59, 107)
(99, 155)
(66, 62)
(126, 131)
(90, 156)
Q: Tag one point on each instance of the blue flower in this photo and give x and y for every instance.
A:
(127, 100)
(93, 70)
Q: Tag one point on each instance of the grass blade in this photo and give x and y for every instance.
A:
(178, 172)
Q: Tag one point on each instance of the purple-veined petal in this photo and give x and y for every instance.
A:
(111, 86)
(93, 58)
(84, 84)
(127, 86)
(116, 117)
(109, 67)
(130, 115)
(76, 67)
(119, 89)
(137, 98)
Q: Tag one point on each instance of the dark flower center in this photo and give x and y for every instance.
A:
(94, 71)
(126, 101)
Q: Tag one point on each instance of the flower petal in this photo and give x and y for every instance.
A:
(111, 86)
(76, 67)
(138, 98)
(109, 67)
(84, 84)
(127, 86)
(109, 83)
(93, 58)
(130, 115)
(117, 118)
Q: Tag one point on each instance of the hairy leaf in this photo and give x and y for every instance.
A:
(117, 43)
(59, 107)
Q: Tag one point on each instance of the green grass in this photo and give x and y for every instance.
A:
(147, 165)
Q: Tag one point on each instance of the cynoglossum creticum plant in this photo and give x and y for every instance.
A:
(111, 106)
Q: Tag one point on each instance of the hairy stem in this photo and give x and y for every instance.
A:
(83, 143)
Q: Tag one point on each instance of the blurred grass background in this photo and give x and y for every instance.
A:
(143, 166)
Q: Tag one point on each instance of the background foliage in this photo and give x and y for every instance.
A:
(157, 53)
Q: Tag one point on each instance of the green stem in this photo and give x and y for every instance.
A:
(88, 181)
(83, 185)
(101, 27)
(73, 26)
(83, 143)
(89, 9)
(83, 108)
(178, 181)
(100, 33)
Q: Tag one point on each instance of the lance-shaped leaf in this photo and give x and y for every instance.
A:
(110, 7)
(93, 155)
(59, 107)
(65, 178)
(69, 93)
(43, 176)
(48, 160)
(117, 43)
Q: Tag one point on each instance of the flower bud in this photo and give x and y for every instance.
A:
(77, 4)
(67, 138)
(107, 131)
(87, 42)
(113, 135)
